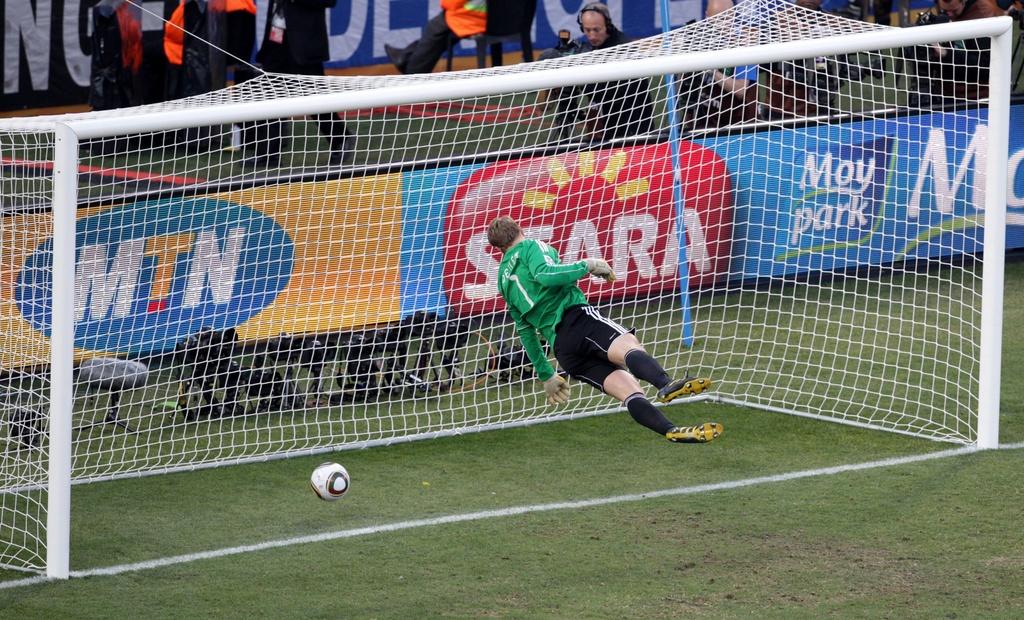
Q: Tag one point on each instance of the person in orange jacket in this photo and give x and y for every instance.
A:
(188, 58)
(236, 19)
(458, 19)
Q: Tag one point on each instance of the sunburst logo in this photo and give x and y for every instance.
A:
(586, 168)
(616, 204)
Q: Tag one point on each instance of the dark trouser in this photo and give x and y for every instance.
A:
(883, 12)
(240, 37)
(240, 40)
(267, 135)
(421, 56)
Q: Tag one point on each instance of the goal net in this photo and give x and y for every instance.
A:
(297, 264)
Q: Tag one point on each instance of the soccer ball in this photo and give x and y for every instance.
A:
(330, 481)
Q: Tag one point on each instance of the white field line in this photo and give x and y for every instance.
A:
(503, 512)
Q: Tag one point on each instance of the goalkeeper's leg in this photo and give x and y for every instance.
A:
(625, 387)
(592, 348)
(627, 351)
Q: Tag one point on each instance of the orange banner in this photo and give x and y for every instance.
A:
(151, 273)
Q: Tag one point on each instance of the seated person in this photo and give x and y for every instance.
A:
(457, 20)
(721, 97)
(798, 88)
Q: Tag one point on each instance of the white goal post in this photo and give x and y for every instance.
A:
(250, 304)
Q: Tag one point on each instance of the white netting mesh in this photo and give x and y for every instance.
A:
(286, 285)
(24, 385)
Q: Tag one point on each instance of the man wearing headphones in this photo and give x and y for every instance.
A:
(616, 109)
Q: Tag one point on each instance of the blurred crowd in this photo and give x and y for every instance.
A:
(132, 68)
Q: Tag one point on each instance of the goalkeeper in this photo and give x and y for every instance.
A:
(542, 297)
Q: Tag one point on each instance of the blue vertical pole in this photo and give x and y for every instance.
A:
(677, 191)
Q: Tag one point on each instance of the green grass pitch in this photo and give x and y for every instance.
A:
(936, 538)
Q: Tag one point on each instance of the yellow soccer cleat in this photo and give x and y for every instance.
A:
(702, 433)
(683, 387)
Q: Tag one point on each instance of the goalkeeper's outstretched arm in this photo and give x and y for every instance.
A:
(551, 274)
(531, 343)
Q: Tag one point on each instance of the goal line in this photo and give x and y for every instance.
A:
(511, 511)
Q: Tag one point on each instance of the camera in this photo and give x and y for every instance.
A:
(824, 77)
(856, 68)
(509, 364)
(698, 106)
(214, 382)
(368, 359)
(418, 356)
(928, 19)
(437, 363)
(567, 46)
(564, 101)
(203, 364)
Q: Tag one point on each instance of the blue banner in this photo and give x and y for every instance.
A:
(827, 197)
(360, 28)
(841, 196)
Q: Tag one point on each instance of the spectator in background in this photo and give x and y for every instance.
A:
(963, 10)
(457, 20)
(883, 12)
(188, 57)
(116, 55)
(803, 87)
(153, 71)
(189, 70)
(616, 109)
(720, 97)
(240, 37)
(115, 78)
(295, 41)
(239, 41)
(958, 69)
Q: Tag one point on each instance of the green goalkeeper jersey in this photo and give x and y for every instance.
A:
(537, 288)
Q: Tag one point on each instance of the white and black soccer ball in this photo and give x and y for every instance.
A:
(330, 481)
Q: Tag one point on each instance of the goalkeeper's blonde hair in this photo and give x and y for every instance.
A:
(502, 232)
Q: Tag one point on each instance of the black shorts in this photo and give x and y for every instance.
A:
(582, 340)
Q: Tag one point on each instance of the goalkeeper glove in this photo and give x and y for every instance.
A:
(600, 268)
(557, 390)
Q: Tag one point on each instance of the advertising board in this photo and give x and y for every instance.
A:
(344, 254)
